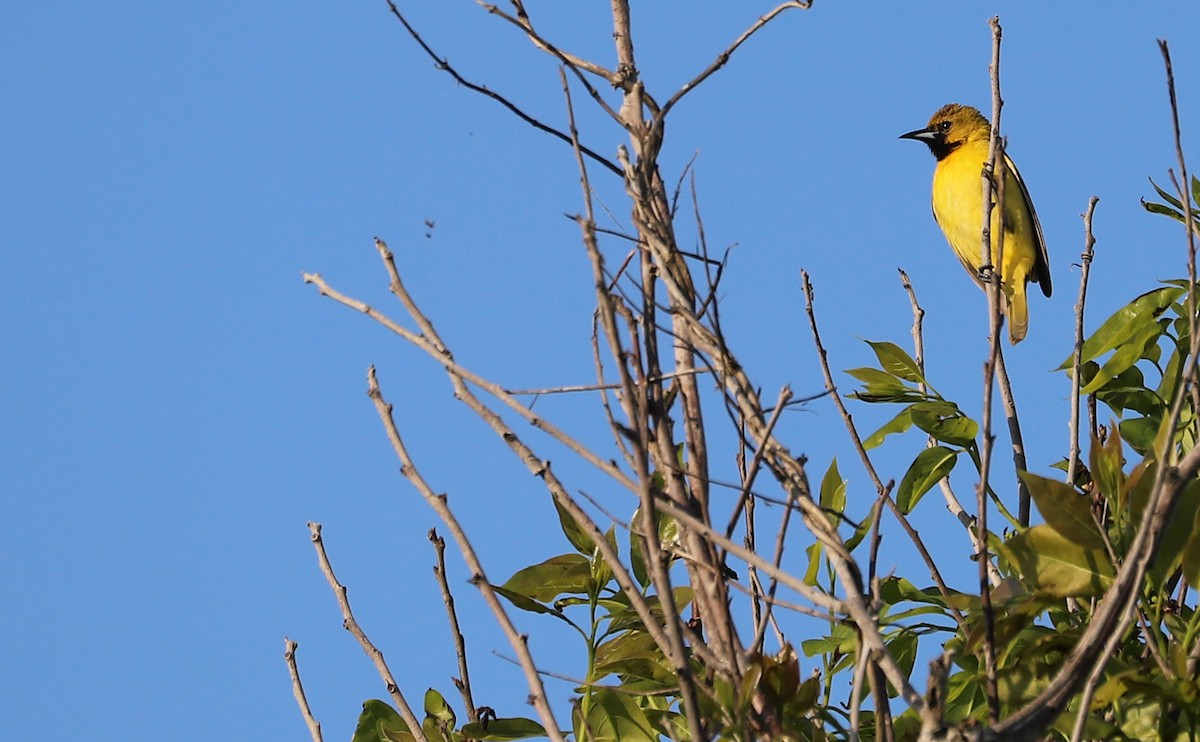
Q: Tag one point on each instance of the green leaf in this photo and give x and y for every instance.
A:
(436, 706)
(1127, 390)
(833, 490)
(431, 730)
(1154, 208)
(1058, 567)
(1167, 195)
(601, 573)
(1132, 349)
(614, 716)
(894, 590)
(898, 424)
(633, 654)
(1107, 464)
(503, 729)
(566, 573)
(930, 467)
(379, 722)
(812, 574)
(1065, 510)
(896, 362)
(945, 422)
(1139, 433)
(903, 647)
(526, 603)
(1177, 212)
(575, 534)
(864, 527)
(1126, 322)
(880, 386)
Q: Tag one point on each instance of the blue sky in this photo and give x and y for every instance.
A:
(177, 403)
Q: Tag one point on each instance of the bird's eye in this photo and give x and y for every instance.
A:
(943, 126)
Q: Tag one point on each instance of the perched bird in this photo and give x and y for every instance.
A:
(958, 137)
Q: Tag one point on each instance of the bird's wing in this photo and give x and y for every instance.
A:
(1041, 264)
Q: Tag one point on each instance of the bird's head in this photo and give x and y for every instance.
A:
(952, 126)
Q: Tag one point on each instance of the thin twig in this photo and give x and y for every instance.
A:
(289, 654)
(779, 603)
(918, 321)
(577, 65)
(723, 58)
(575, 388)
(789, 580)
(952, 503)
(351, 625)
(518, 641)
(432, 345)
(1184, 197)
(1085, 267)
(443, 64)
(880, 488)
(463, 681)
(751, 474)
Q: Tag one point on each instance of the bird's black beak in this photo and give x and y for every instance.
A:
(927, 135)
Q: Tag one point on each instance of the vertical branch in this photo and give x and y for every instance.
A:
(463, 681)
(990, 182)
(1085, 266)
(289, 655)
(686, 482)
(1014, 434)
(918, 322)
(1188, 217)
(635, 409)
(351, 625)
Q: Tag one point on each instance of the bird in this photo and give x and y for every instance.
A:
(958, 136)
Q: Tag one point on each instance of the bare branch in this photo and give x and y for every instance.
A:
(991, 184)
(1085, 267)
(351, 625)
(523, 22)
(518, 641)
(918, 322)
(289, 654)
(723, 58)
(463, 681)
(442, 64)
(432, 345)
(577, 65)
(1184, 199)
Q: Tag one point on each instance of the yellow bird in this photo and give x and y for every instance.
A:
(958, 137)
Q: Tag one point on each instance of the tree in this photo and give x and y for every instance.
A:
(1045, 646)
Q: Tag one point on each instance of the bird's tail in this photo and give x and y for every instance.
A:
(1017, 311)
